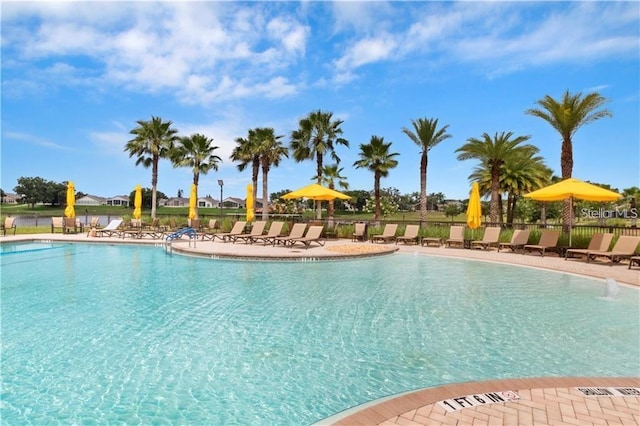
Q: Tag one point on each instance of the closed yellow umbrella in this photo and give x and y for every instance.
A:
(137, 203)
(474, 209)
(250, 209)
(193, 202)
(69, 211)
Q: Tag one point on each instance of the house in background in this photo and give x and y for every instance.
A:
(207, 202)
(10, 198)
(233, 202)
(91, 200)
(174, 202)
(118, 200)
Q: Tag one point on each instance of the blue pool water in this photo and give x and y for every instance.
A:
(113, 334)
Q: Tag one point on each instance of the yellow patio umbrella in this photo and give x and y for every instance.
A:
(193, 202)
(250, 203)
(69, 211)
(137, 203)
(573, 188)
(316, 192)
(474, 209)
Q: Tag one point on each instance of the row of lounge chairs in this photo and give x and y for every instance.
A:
(624, 248)
(299, 233)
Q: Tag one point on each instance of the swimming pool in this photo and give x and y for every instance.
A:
(128, 334)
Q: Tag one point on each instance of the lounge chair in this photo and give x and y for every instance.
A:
(410, 235)
(194, 224)
(211, 229)
(238, 229)
(256, 231)
(519, 238)
(359, 232)
(634, 260)
(71, 225)
(95, 222)
(624, 248)
(111, 229)
(388, 233)
(456, 236)
(297, 231)
(153, 230)
(9, 223)
(548, 241)
(57, 223)
(599, 242)
(490, 238)
(274, 231)
(313, 235)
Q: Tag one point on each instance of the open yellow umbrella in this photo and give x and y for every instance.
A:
(193, 202)
(573, 188)
(137, 203)
(69, 211)
(474, 209)
(316, 192)
(250, 203)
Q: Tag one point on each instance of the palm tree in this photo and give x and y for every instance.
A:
(197, 152)
(330, 175)
(376, 157)
(426, 135)
(567, 116)
(521, 173)
(271, 152)
(153, 140)
(317, 135)
(247, 152)
(493, 153)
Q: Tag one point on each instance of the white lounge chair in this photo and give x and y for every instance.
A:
(111, 229)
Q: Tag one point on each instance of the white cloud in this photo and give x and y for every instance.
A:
(8, 137)
(159, 46)
(368, 51)
(498, 36)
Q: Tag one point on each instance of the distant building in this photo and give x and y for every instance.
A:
(118, 200)
(91, 200)
(208, 202)
(234, 202)
(11, 198)
(174, 202)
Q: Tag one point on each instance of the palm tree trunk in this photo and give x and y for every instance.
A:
(423, 188)
(566, 166)
(265, 200)
(196, 180)
(319, 171)
(254, 177)
(376, 195)
(495, 196)
(154, 184)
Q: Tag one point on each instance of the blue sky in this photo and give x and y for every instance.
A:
(77, 76)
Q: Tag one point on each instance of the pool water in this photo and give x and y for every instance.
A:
(128, 334)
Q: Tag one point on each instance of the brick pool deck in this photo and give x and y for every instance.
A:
(540, 401)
